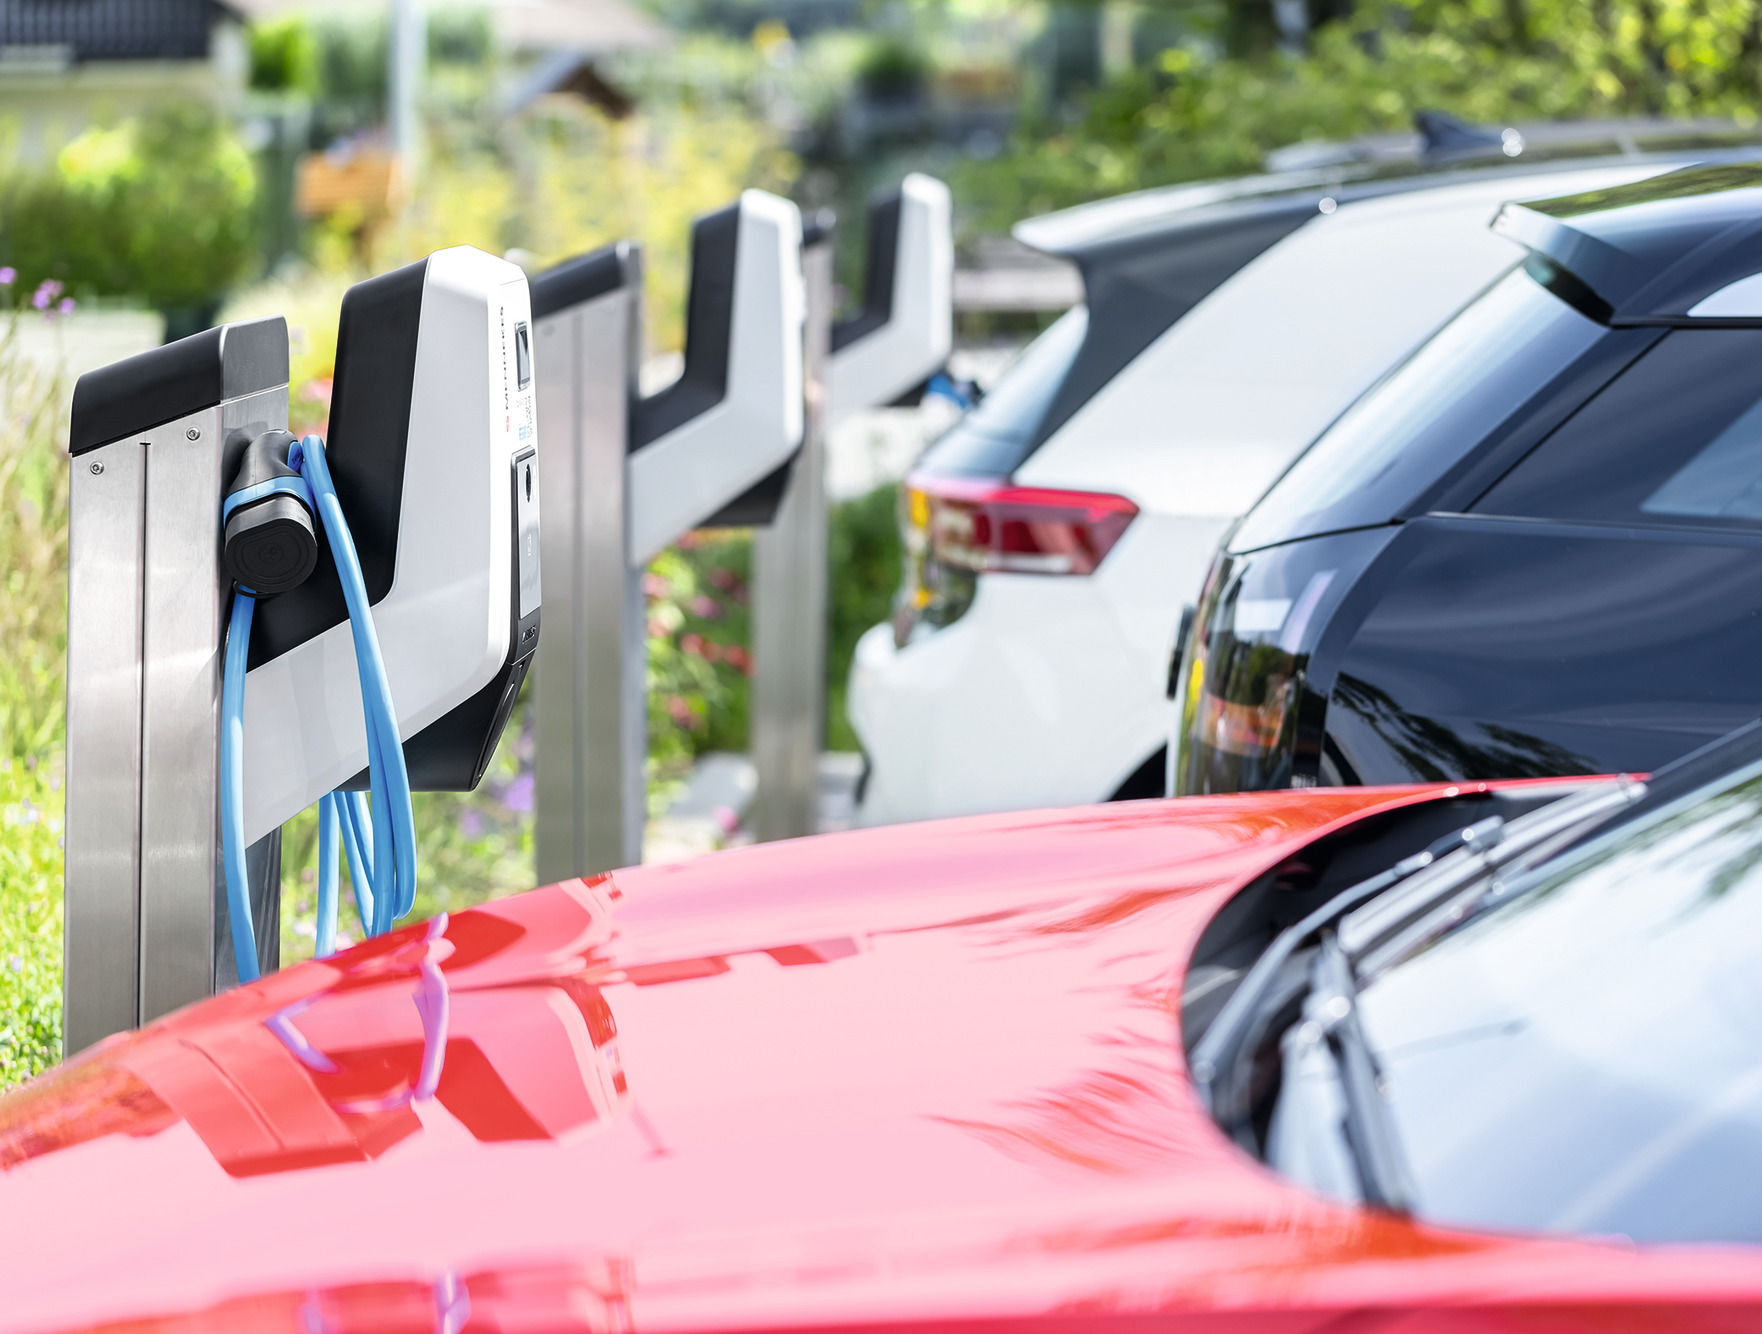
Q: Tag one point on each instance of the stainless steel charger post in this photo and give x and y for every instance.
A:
(884, 351)
(786, 714)
(590, 688)
(628, 474)
(153, 440)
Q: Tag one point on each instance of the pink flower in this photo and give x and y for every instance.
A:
(679, 711)
(655, 586)
(738, 658)
(693, 644)
(705, 607)
(8, 276)
(724, 579)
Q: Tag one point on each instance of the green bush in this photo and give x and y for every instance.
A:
(864, 556)
(284, 55)
(892, 66)
(162, 207)
(700, 629)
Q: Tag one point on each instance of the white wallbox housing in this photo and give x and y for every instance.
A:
(734, 416)
(905, 329)
(433, 445)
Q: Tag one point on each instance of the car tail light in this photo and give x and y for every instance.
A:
(956, 528)
(987, 526)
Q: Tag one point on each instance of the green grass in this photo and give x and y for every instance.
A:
(33, 630)
(30, 919)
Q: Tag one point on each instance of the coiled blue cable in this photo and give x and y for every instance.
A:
(378, 838)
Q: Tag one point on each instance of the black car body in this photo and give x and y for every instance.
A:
(1536, 546)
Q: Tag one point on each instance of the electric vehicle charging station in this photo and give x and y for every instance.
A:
(433, 477)
(737, 441)
(900, 337)
(629, 474)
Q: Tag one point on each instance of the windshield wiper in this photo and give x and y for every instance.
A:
(1214, 1064)
(1428, 906)
(1442, 883)
(1371, 1138)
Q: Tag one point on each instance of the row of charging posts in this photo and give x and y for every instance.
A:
(737, 440)
(435, 450)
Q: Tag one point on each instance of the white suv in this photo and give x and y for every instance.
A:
(1055, 531)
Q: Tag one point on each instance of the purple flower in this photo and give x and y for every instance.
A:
(66, 306)
(45, 294)
(471, 823)
(518, 797)
(8, 276)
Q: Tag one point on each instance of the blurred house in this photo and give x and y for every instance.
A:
(65, 64)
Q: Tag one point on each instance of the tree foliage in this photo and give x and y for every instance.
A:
(1197, 113)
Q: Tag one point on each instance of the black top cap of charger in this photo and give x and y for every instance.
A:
(585, 278)
(205, 369)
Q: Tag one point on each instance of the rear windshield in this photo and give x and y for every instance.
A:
(996, 438)
(1425, 415)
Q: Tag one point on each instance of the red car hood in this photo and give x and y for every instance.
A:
(928, 1073)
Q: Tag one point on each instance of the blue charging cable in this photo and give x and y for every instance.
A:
(378, 838)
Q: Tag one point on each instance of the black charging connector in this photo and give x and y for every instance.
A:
(269, 544)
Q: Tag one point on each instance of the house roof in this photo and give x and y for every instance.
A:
(113, 29)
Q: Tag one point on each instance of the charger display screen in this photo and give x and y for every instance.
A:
(526, 531)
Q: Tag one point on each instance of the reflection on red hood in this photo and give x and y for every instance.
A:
(921, 1074)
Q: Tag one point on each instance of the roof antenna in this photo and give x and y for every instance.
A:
(1444, 138)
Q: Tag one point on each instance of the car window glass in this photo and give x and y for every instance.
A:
(1418, 421)
(1724, 480)
(995, 437)
(1619, 987)
(1676, 438)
